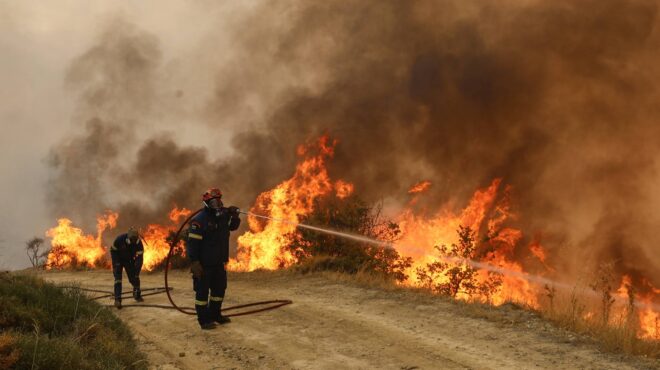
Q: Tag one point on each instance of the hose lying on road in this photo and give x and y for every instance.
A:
(272, 304)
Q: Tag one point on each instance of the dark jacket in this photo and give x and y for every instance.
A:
(123, 249)
(208, 236)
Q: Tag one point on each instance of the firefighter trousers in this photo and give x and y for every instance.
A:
(132, 271)
(214, 279)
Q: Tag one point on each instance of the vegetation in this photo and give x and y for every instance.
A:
(453, 275)
(36, 252)
(319, 251)
(43, 326)
(615, 330)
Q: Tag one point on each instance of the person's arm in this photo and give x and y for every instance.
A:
(234, 220)
(194, 240)
(193, 247)
(139, 256)
(114, 249)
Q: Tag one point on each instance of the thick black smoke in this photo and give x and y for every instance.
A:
(557, 98)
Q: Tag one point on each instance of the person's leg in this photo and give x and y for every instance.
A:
(201, 287)
(218, 288)
(134, 279)
(116, 273)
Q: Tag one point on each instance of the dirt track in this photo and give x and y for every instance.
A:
(334, 325)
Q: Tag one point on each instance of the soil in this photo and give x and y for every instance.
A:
(335, 324)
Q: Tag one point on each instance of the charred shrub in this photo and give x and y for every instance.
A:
(320, 251)
(452, 275)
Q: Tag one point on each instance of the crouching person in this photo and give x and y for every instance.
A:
(127, 254)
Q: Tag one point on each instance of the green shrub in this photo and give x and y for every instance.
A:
(46, 326)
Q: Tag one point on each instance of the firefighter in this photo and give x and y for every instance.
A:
(207, 248)
(127, 253)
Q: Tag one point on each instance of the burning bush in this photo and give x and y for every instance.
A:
(452, 275)
(178, 259)
(320, 251)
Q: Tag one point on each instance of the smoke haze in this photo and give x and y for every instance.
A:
(559, 99)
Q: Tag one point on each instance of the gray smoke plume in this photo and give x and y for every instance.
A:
(558, 99)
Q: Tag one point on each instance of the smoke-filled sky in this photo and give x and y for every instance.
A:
(140, 106)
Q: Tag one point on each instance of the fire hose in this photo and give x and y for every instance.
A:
(271, 304)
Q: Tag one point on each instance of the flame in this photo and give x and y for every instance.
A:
(649, 319)
(649, 323)
(421, 233)
(343, 189)
(177, 214)
(488, 213)
(420, 187)
(262, 247)
(70, 245)
(155, 238)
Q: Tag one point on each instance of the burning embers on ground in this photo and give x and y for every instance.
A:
(473, 255)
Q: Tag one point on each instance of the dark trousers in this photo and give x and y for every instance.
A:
(215, 280)
(132, 271)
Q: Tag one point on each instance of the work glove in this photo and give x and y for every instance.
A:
(233, 210)
(197, 269)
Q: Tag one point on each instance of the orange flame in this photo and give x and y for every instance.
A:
(422, 233)
(70, 245)
(488, 214)
(343, 189)
(263, 246)
(420, 187)
(155, 238)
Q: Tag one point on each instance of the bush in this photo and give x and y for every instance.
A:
(45, 326)
(456, 276)
(316, 251)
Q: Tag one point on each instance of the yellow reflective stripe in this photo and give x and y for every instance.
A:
(117, 281)
(195, 236)
(200, 303)
(139, 252)
(217, 299)
(113, 248)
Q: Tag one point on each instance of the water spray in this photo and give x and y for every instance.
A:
(455, 260)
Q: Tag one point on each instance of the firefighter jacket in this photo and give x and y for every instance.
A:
(208, 236)
(123, 249)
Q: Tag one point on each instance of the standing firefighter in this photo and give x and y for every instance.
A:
(126, 253)
(208, 250)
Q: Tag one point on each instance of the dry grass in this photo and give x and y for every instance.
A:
(45, 326)
(612, 324)
(571, 314)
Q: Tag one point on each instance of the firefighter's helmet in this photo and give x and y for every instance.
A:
(132, 235)
(212, 193)
(212, 198)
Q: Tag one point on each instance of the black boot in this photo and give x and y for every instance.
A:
(118, 303)
(221, 319)
(215, 310)
(208, 325)
(137, 295)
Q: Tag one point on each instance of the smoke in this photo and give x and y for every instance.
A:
(557, 98)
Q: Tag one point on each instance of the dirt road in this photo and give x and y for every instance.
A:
(338, 325)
